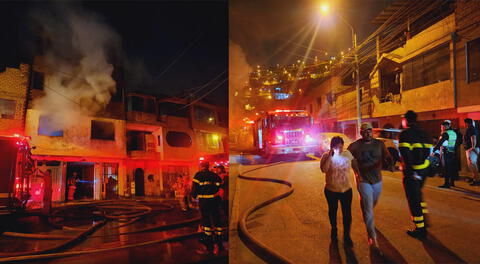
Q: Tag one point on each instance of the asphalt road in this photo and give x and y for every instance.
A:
(108, 237)
(297, 227)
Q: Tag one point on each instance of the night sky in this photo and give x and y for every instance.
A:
(165, 46)
(267, 30)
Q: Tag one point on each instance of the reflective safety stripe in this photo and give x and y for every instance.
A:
(220, 228)
(414, 145)
(452, 138)
(423, 204)
(208, 183)
(405, 145)
(206, 196)
(417, 218)
(218, 232)
(417, 145)
(425, 211)
(422, 224)
(206, 228)
(197, 181)
(421, 166)
(208, 233)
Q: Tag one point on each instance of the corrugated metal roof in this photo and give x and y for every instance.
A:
(388, 12)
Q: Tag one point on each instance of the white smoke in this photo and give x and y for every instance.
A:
(78, 79)
(239, 71)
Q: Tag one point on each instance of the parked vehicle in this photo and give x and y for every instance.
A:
(389, 136)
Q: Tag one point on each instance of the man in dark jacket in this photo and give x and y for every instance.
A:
(472, 149)
(415, 145)
(205, 188)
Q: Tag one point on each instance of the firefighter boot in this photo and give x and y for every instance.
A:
(418, 233)
(208, 242)
(219, 242)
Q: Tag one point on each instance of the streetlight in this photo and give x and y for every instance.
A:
(324, 11)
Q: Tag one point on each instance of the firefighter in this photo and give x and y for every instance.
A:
(205, 188)
(415, 146)
(448, 146)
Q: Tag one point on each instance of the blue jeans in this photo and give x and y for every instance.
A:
(369, 194)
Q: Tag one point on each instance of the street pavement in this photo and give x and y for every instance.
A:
(297, 227)
(108, 237)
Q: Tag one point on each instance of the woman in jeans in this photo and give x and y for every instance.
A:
(336, 165)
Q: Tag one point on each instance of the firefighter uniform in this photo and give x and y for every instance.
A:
(415, 147)
(205, 187)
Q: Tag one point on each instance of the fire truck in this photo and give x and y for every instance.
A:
(285, 132)
(16, 169)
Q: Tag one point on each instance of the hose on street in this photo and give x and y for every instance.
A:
(106, 211)
(259, 248)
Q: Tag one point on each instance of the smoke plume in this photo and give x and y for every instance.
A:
(78, 76)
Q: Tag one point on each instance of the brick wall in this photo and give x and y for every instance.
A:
(13, 86)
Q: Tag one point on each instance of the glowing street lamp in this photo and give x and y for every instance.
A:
(324, 11)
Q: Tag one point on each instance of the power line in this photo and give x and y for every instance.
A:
(178, 57)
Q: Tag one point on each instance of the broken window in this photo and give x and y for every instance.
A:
(102, 130)
(390, 83)
(205, 115)
(136, 140)
(179, 139)
(473, 60)
(48, 127)
(7, 108)
(141, 104)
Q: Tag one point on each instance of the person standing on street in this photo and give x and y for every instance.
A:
(205, 188)
(336, 165)
(415, 145)
(472, 149)
(369, 154)
(447, 144)
(47, 191)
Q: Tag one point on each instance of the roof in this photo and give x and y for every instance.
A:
(388, 12)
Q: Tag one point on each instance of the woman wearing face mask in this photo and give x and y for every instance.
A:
(336, 165)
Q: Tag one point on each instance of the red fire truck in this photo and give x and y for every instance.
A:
(285, 132)
(16, 169)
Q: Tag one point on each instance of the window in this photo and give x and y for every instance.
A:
(429, 68)
(473, 60)
(136, 140)
(178, 139)
(142, 104)
(48, 127)
(205, 115)
(210, 140)
(38, 80)
(102, 130)
(172, 109)
(7, 108)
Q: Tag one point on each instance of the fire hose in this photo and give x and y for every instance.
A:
(129, 213)
(259, 248)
